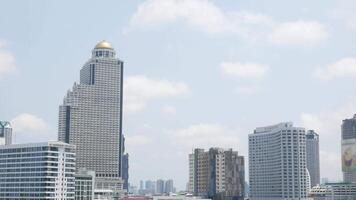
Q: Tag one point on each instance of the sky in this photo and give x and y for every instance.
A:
(197, 73)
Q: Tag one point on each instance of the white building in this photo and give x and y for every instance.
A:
(91, 117)
(333, 191)
(5, 133)
(37, 171)
(84, 184)
(277, 163)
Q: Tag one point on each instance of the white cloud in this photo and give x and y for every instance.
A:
(137, 140)
(205, 136)
(344, 68)
(205, 16)
(299, 33)
(28, 123)
(140, 89)
(7, 61)
(200, 13)
(169, 110)
(244, 70)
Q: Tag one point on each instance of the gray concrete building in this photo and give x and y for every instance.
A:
(348, 144)
(277, 163)
(37, 171)
(313, 162)
(217, 173)
(5, 133)
(90, 117)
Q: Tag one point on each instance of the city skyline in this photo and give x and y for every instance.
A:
(208, 82)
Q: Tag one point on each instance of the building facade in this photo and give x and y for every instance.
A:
(91, 117)
(333, 191)
(160, 186)
(5, 133)
(348, 145)
(313, 162)
(37, 171)
(168, 186)
(217, 173)
(125, 171)
(84, 184)
(277, 163)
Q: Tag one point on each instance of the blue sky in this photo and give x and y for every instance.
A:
(198, 73)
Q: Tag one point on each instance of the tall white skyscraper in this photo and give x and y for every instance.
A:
(91, 117)
(313, 163)
(277, 163)
(5, 133)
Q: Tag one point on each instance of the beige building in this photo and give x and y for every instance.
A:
(217, 173)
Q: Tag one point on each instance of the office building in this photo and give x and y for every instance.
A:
(348, 146)
(125, 171)
(84, 184)
(217, 174)
(168, 187)
(5, 133)
(313, 163)
(160, 186)
(90, 117)
(277, 163)
(37, 171)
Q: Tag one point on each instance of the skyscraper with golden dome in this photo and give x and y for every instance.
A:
(91, 117)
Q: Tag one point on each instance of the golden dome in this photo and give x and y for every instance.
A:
(103, 45)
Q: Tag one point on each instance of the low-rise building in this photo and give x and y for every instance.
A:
(37, 171)
(333, 191)
(84, 184)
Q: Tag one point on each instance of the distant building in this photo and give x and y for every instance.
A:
(348, 145)
(313, 163)
(160, 186)
(333, 191)
(169, 187)
(84, 184)
(150, 187)
(141, 185)
(177, 197)
(90, 117)
(37, 171)
(5, 133)
(125, 170)
(277, 163)
(217, 173)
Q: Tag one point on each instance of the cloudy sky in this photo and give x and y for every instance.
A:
(198, 73)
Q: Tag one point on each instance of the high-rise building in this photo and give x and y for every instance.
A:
(348, 145)
(91, 117)
(217, 173)
(125, 171)
(160, 186)
(277, 163)
(168, 187)
(313, 163)
(5, 133)
(37, 171)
